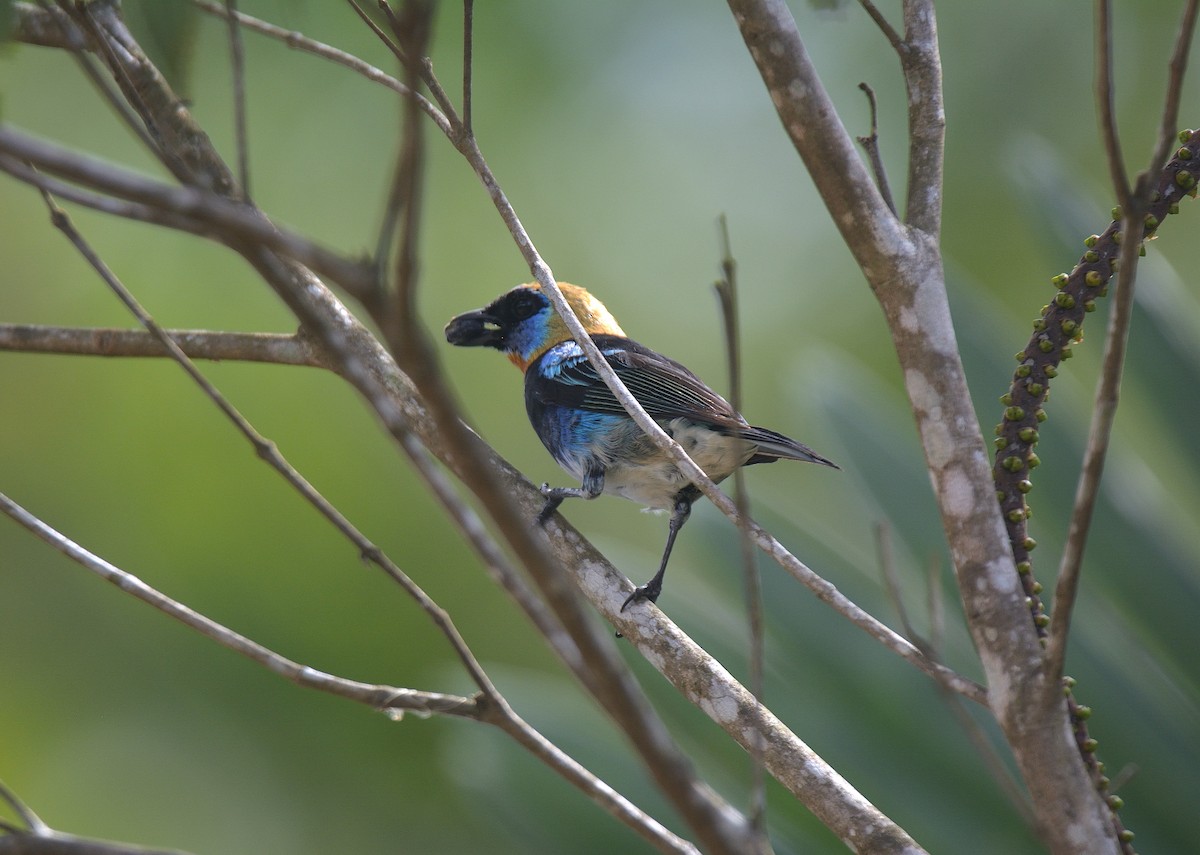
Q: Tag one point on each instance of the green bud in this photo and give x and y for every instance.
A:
(1115, 802)
(1006, 399)
(1116, 212)
(1103, 783)
(1024, 486)
(1015, 516)
(1184, 153)
(1173, 208)
(1029, 543)
(1089, 305)
(1069, 682)
(1035, 389)
(1042, 620)
(1039, 325)
(1024, 370)
(1067, 353)
(1068, 326)
(1142, 251)
(1050, 371)
(1117, 237)
(1083, 713)
(1151, 222)
(1028, 434)
(1091, 240)
(1091, 256)
(1024, 567)
(1090, 745)
(1000, 497)
(1033, 460)
(1036, 587)
(1013, 463)
(1092, 278)
(999, 442)
(1014, 414)
(1185, 135)
(1045, 345)
(1126, 836)
(1064, 300)
(1185, 179)
(1040, 415)
(1059, 280)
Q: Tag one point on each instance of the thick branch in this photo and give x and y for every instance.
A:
(904, 269)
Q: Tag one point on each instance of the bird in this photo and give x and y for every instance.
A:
(589, 433)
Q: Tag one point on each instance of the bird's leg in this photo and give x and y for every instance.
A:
(593, 485)
(651, 590)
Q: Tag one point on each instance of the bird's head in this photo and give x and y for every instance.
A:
(523, 325)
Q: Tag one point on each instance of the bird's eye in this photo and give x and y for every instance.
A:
(527, 305)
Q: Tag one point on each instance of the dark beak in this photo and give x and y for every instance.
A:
(474, 329)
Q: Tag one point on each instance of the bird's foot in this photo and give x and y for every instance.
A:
(649, 591)
(552, 503)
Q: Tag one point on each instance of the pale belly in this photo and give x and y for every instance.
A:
(653, 480)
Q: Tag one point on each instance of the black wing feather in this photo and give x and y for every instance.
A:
(663, 387)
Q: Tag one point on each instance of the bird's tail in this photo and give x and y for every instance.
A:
(776, 446)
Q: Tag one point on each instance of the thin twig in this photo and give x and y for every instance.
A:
(468, 63)
(376, 29)
(1108, 387)
(401, 326)
(181, 207)
(1176, 70)
(32, 821)
(376, 696)
(76, 45)
(275, 348)
(301, 42)
(870, 144)
(726, 288)
(891, 580)
(238, 62)
(886, 28)
(1104, 104)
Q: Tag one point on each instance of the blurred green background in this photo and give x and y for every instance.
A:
(620, 130)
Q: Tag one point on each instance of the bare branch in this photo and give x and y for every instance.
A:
(870, 144)
(1108, 388)
(379, 697)
(1104, 104)
(889, 32)
(726, 288)
(238, 63)
(57, 843)
(468, 64)
(183, 207)
(277, 348)
(922, 65)
(32, 821)
(301, 42)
